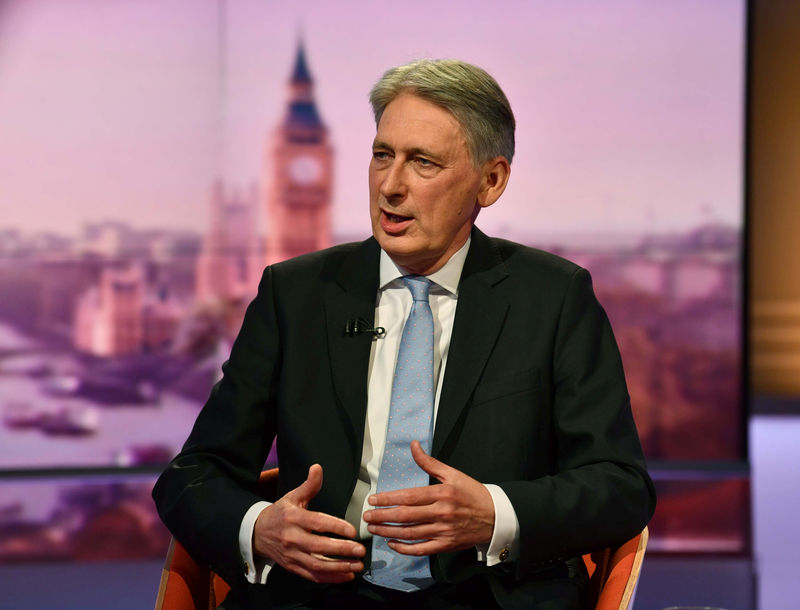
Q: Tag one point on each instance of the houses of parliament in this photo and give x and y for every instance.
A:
(122, 314)
(298, 183)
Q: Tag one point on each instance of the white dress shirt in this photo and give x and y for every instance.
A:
(392, 307)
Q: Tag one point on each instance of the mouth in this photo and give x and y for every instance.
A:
(396, 217)
(394, 223)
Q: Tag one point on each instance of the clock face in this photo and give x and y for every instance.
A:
(305, 169)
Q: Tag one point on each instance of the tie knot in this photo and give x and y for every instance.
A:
(418, 285)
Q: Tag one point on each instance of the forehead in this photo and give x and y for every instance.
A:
(410, 120)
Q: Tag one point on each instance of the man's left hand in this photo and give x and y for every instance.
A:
(455, 515)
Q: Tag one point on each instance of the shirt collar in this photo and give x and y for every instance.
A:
(447, 277)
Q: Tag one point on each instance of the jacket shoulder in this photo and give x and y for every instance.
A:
(519, 258)
(325, 263)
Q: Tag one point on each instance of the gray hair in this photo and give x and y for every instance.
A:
(468, 92)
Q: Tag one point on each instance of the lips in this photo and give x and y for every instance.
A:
(394, 223)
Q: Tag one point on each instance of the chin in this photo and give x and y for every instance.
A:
(395, 249)
(398, 254)
(391, 243)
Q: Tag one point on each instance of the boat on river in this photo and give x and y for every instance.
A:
(20, 414)
(71, 420)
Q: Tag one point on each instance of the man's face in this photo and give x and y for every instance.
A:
(423, 187)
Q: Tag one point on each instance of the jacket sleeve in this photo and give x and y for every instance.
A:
(205, 491)
(599, 493)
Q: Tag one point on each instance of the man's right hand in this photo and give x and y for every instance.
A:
(291, 536)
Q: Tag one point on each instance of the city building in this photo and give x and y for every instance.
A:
(120, 316)
(298, 174)
(108, 316)
(230, 261)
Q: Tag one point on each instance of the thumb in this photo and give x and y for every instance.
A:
(304, 493)
(435, 468)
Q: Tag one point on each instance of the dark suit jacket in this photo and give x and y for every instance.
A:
(533, 399)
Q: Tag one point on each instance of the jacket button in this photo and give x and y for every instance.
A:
(503, 554)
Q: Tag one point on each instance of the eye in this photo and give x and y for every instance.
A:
(423, 162)
(380, 155)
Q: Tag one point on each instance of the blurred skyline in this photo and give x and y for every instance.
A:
(630, 114)
(630, 119)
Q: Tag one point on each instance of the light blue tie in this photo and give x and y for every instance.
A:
(410, 418)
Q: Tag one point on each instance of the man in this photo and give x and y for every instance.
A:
(500, 349)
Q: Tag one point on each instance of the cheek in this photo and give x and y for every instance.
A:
(468, 198)
(374, 190)
(373, 180)
(462, 200)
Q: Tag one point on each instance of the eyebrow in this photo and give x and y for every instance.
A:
(411, 152)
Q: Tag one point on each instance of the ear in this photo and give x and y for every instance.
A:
(494, 177)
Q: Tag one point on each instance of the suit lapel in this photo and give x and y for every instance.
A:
(479, 318)
(351, 295)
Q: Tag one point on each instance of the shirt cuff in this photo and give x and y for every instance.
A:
(504, 545)
(256, 569)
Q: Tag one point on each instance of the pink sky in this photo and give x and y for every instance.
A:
(629, 112)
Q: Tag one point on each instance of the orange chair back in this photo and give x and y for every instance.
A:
(188, 585)
(614, 573)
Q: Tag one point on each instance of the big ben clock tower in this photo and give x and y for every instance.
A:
(299, 174)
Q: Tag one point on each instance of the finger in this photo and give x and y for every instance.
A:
(403, 515)
(313, 521)
(412, 496)
(321, 563)
(313, 544)
(435, 468)
(324, 557)
(423, 531)
(306, 491)
(419, 549)
(321, 577)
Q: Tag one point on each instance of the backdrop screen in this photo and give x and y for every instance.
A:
(139, 153)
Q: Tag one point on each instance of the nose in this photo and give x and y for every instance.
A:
(393, 185)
